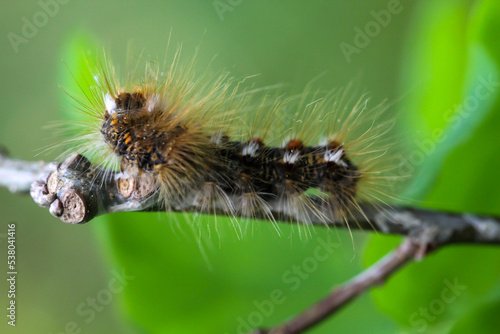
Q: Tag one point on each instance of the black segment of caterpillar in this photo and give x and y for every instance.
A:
(189, 163)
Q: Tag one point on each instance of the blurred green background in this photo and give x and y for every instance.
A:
(438, 61)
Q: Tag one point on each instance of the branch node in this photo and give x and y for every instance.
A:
(40, 194)
(76, 162)
(145, 186)
(52, 183)
(74, 208)
(126, 185)
(56, 208)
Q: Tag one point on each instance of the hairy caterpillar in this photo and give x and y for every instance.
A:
(220, 146)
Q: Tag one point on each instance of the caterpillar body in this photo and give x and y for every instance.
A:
(214, 144)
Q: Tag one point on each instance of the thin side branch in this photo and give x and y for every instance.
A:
(340, 297)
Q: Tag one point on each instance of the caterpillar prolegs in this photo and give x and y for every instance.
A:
(215, 144)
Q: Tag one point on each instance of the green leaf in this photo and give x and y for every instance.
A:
(459, 155)
(482, 320)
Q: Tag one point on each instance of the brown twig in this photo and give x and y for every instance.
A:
(77, 191)
(340, 297)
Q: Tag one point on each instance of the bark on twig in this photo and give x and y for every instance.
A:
(77, 191)
(18, 175)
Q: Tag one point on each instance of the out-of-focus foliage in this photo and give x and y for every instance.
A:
(454, 66)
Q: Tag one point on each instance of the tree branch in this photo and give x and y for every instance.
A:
(77, 191)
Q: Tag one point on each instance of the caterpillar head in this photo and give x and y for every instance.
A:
(128, 127)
